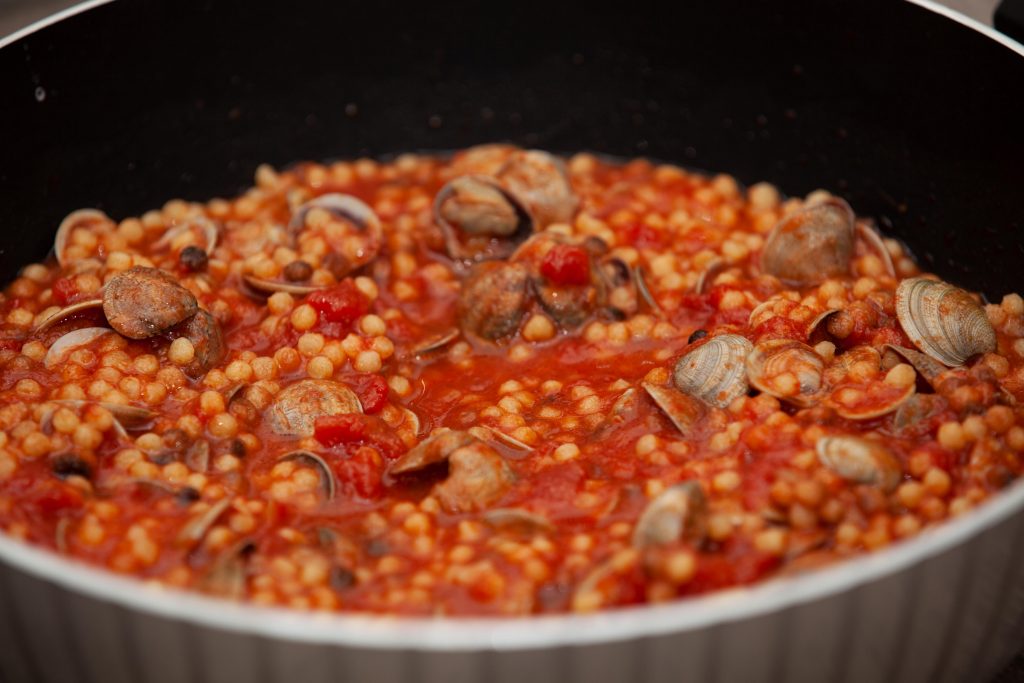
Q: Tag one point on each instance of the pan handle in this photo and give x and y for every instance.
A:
(1009, 19)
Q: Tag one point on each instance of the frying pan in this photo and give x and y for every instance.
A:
(914, 114)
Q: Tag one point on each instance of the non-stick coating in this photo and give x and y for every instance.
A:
(917, 120)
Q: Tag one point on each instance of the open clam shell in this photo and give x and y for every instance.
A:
(707, 276)
(82, 218)
(788, 370)
(480, 220)
(873, 241)
(493, 299)
(437, 342)
(434, 449)
(202, 225)
(811, 244)
(683, 410)
(268, 287)
(68, 312)
(678, 512)
(353, 211)
(195, 529)
(541, 184)
(715, 372)
(66, 344)
(926, 366)
(863, 461)
(328, 482)
(943, 321)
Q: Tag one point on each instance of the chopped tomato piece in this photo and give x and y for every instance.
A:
(374, 394)
(361, 473)
(331, 430)
(343, 303)
(565, 264)
(64, 289)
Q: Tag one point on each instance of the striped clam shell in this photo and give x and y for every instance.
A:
(715, 371)
(943, 321)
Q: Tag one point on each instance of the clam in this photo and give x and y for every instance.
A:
(144, 302)
(477, 477)
(195, 529)
(480, 220)
(715, 372)
(707, 276)
(916, 412)
(70, 311)
(490, 434)
(327, 479)
(786, 369)
(943, 321)
(625, 406)
(646, 295)
(82, 218)
(203, 330)
(226, 577)
(126, 417)
(540, 182)
(483, 159)
(866, 402)
(926, 366)
(203, 226)
(683, 410)
(433, 450)
(436, 342)
(863, 461)
(62, 348)
(362, 236)
(819, 322)
(678, 512)
(517, 519)
(811, 244)
(295, 410)
(493, 299)
(269, 287)
(477, 474)
(870, 237)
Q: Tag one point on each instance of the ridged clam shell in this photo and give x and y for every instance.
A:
(811, 244)
(773, 358)
(862, 461)
(295, 409)
(677, 511)
(683, 410)
(62, 348)
(943, 321)
(715, 372)
(540, 182)
(493, 222)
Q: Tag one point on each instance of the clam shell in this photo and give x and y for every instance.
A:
(352, 209)
(925, 365)
(811, 244)
(143, 302)
(862, 461)
(870, 237)
(67, 226)
(775, 361)
(683, 410)
(646, 295)
(517, 518)
(477, 477)
(67, 312)
(541, 184)
(295, 410)
(480, 220)
(434, 449)
(194, 530)
(327, 479)
(707, 276)
(872, 406)
(677, 512)
(497, 436)
(943, 321)
(273, 286)
(493, 299)
(62, 348)
(206, 227)
(715, 372)
(436, 342)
